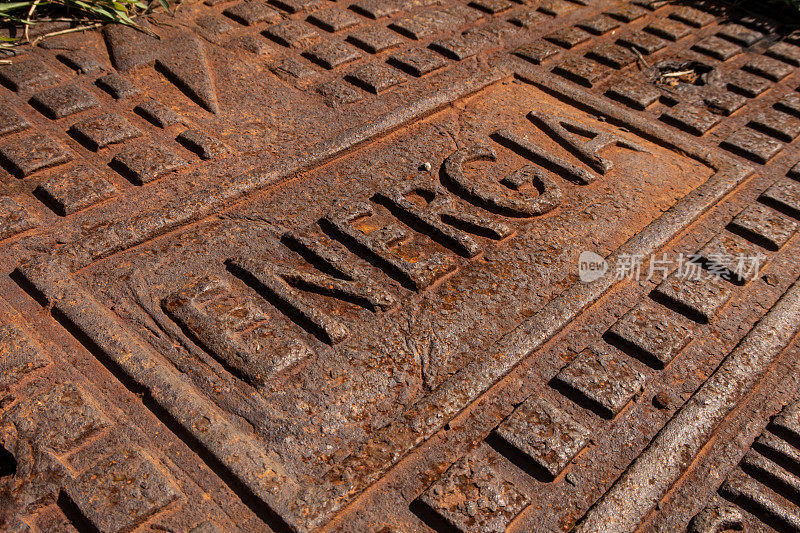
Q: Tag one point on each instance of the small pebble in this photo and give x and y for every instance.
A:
(425, 166)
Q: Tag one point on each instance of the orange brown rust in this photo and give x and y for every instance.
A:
(408, 265)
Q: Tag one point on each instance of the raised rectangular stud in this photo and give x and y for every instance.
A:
(98, 132)
(461, 47)
(783, 127)
(330, 54)
(768, 68)
(556, 8)
(293, 70)
(375, 39)
(537, 51)
(731, 259)
(690, 118)
(651, 333)
(582, 71)
(333, 20)
(59, 102)
(752, 145)
(214, 24)
(27, 74)
(789, 104)
(613, 55)
(375, 78)
(700, 297)
(337, 93)
(746, 84)
(763, 226)
(291, 33)
(738, 34)
(779, 448)
(602, 382)
(646, 43)
(669, 29)
(627, 14)
(298, 6)
(717, 47)
(24, 156)
(81, 61)
(157, 113)
(418, 61)
(545, 437)
(788, 53)
(252, 44)
(117, 86)
(771, 474)
(471, 496)
(11, 121)
(783, 195)
(252, 12)
(724, 102)
(529, 19)
(632, 94)
(491, 7)
(692, 17)
(569, 37)
(75, 189)
(204, 145)
(759, 499)
(599, 25)
(19, 355)
(652, 5)
(425, 24)
(143, 164)
(14, 218)
(787, 423)
(376, 9)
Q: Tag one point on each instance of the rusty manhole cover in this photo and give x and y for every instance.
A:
(403, 266)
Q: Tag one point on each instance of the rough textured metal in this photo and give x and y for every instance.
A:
(313, 265)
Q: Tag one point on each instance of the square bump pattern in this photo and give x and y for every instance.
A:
(102, 130)
(651, 333)
(603, 382)
(59, 102)
(143, 164)
(72, 190)
(546, 436)
(497, 502)
(26, 155)
(14, 218)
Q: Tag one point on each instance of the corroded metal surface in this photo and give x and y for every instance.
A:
(300, 265)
